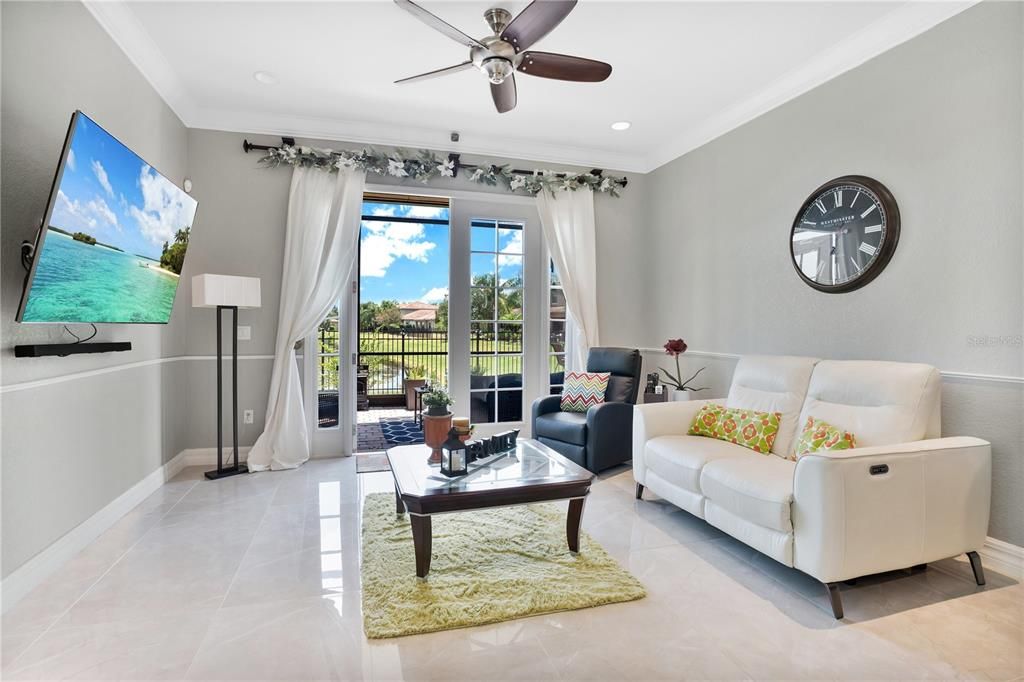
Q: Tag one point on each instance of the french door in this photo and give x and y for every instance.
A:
(497, 326)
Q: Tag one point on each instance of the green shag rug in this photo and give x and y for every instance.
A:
(488, 566)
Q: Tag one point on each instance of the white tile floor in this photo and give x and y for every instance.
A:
(257, 577)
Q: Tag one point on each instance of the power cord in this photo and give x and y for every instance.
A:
(79, 339)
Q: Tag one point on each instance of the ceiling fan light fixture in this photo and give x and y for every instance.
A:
(621, 125)
(497, 69)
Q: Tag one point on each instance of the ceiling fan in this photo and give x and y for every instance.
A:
(507, 49)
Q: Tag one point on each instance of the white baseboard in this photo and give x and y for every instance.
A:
(208, 456)
(1002, 557)
(37, 569)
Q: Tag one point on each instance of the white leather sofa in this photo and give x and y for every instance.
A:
(902, 498)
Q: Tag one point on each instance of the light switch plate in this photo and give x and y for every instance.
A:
(244, 333)
(247, 417)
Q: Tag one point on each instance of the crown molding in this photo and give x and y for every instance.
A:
(907, 21)
(125, 29)
(896, 27)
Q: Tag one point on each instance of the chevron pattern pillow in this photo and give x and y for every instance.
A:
(582, 390)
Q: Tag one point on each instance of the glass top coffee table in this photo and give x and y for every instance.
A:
(530, 473)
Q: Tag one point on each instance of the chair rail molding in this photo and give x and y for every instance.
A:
(946, 374)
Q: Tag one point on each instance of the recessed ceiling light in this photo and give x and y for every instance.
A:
(621, 125)
(265, 77)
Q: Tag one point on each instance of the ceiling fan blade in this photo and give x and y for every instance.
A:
(535, 22)
(564, 67)
(504, 95)
(437, 23)
(434, 74)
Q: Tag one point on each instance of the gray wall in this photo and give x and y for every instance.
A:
(240, 230)
(70, 448)
(939, 121)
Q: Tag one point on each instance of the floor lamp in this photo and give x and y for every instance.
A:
(226, 292)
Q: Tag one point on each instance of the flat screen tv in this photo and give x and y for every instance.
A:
(113, 238)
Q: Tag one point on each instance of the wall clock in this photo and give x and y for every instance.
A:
(845, 234)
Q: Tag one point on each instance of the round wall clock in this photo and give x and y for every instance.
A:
(845, 234)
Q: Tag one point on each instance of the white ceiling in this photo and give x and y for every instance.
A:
(684, 72)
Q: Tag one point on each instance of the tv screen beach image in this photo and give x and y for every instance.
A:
(116, 237)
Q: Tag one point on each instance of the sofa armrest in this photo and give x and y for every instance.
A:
(660, 419)
(867, 510)
(545, 405)
(609, 434)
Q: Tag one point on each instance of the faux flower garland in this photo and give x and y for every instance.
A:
(425, 165)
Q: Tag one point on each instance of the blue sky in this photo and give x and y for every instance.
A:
(403, 261)
(409, 261)
(110, 193)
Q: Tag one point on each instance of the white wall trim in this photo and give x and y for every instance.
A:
(468, 195)
(1002, 557)
(49, 381)
(37, 569)
(949, 375)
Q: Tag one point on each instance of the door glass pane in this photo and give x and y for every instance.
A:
(496, 302)
(327, 370)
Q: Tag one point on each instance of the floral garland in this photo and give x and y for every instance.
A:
(425, 165)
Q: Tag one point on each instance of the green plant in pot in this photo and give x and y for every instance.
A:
(436, 401)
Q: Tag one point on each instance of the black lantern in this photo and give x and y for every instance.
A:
(453, 456)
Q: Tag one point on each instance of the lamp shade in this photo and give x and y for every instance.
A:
(210, 291)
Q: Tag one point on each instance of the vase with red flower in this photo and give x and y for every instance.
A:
(682, 389)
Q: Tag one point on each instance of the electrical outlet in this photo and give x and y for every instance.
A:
(247, 417)
(245, 333)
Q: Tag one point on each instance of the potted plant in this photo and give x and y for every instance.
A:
(436, 401)
(437, 420)
(415, 376)
(675, 348)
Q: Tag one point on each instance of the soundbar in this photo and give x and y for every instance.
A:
(40, 350)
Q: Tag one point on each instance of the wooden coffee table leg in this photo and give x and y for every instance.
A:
(572, 523)
(421, 539)
(400, 506)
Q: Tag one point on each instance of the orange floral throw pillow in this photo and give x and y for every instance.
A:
(754, 430)
(820, 435)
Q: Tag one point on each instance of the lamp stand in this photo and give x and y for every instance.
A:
(235, 468)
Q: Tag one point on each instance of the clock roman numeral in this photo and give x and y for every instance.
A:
(821, 206)
(837, 196)
(855, 264)
(871, 208)
(855, 197)
(867, 248)
(873, 228)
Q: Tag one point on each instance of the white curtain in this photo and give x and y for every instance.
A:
(567, 218)
(321, 243)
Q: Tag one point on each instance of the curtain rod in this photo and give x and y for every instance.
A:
(454, 158)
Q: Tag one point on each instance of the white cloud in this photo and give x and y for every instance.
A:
(409, 211)
(166, 209)
(101, 175)
(384, 243)
(71, 159)
(77, 216)
(435, 295)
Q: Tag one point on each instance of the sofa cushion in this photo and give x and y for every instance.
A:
(773, 384)
(679, 459)
(884, 403)
(757, 489)
(568, 427)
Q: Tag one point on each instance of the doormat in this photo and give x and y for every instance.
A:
(401, 431)
(372, 463)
